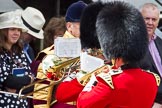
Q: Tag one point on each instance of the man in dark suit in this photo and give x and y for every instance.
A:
(153, 59)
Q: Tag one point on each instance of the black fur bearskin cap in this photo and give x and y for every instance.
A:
(88, 34)
(122, 32)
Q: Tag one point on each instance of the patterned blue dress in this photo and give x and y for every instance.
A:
(8, 61)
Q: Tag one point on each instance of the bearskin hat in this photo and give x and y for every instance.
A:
(88, 34)
(122, 32)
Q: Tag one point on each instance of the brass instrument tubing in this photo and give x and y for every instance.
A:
(14, 94)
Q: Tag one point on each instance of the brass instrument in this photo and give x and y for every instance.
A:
(55, 69)
(85, 79)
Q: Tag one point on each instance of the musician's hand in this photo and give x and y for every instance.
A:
(106, 69)
(80, 74)
(70, 77)
(92, 82)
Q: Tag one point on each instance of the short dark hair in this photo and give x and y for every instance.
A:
(122, 32)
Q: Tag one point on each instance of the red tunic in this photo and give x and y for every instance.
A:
(133, 88)
(68, 91)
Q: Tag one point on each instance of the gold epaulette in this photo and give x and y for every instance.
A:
(107, 77)
(157, 77)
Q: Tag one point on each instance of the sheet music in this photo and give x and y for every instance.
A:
(67, 47)
(90, 63)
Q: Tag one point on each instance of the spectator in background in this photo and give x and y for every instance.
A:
(72, 19)
(153, 59)
(55, 28)
(12, 61)
(33, 21)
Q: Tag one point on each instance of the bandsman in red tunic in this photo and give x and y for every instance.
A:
(44, 98)
(123, 38)
(70, 88)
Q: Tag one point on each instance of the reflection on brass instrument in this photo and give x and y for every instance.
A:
(55, 70)
(28, 94)
(85, 79)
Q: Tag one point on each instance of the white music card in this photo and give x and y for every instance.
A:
(67, 47)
